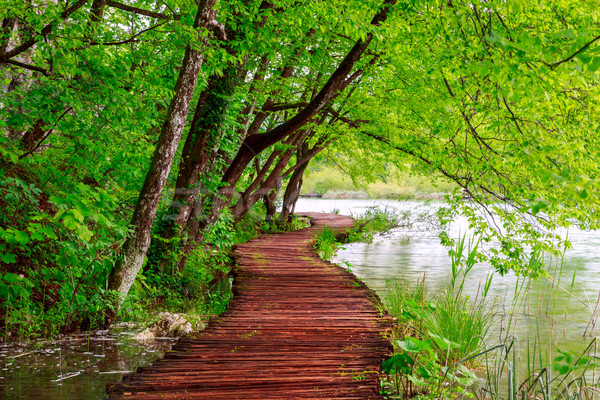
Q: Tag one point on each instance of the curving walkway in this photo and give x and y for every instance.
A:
(298, 328)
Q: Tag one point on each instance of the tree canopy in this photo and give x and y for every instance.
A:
(497, 96)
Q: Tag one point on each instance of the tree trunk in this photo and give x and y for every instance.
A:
(199, 148)
(97, 10)
(136, 246)
(292, 192)
(263, 185)
(200, 144)
(270, 201)
(203, 141)
(33, 135)
(254, 144)
(8, 26)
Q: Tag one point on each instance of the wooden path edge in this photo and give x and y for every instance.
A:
(297, 328)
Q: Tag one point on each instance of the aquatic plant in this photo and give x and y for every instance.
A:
(325, 243)
(569, 376)
(441, 336)
(534, 367)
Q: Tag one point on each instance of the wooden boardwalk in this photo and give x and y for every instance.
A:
(298, 328)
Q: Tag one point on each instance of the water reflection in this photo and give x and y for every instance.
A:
(77, 367)
(561, 312)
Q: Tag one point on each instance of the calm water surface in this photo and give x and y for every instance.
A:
(564, 315)
(77, 367)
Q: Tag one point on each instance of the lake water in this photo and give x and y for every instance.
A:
(561, 314)
(77, 367)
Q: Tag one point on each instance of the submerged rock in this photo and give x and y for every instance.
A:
(168, 325)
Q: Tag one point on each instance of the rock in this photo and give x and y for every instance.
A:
(168, 325)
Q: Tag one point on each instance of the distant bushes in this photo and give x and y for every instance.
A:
(329, 182)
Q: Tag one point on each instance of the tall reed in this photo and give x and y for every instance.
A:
(535, 367)
(440, 335)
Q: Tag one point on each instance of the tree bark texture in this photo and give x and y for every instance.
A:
(292, 190)
(201, 143)
(33, 135)
(270, 201)
(34, 37)
(136, 246)
(200, 147)
(97, 10)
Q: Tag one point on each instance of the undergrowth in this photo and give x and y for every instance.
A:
(326, 243)
(375, 220)
(56, 252)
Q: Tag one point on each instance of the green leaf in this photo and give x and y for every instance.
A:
(9, 277)
(8, 258)
(443, 343)
(77, 215)
(69, 222)
(398, 363)
(416, 381)
(413, 345)
(49, 232)
(21, 237)
(84, 233)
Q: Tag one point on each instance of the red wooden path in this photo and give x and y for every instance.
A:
(298, 328)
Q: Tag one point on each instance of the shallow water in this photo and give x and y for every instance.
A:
(560, 315)
(76, 367)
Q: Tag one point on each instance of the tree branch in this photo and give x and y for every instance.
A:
(313, 152)
(588, 44)
(132, 39)
(449, 175)
(514, 117)
(350, 122)
(46, 135)
(448, 87)
(26, 66)
(283, 106)
(44, 32)
(141, 11)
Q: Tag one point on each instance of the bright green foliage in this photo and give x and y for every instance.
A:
(417, 370)
(498, 98)
(378, 220)
(478, 93)
(326, 243)
(201, 287)
(374, 221)
(51, 256)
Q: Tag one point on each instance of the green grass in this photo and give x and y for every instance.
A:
(440, 336)
(460, 321)
(447, 317)
(325, 243)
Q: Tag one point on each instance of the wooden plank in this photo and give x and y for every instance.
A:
(298, 327)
